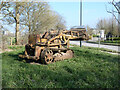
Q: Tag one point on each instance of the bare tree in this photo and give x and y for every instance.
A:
(11, 12)
(100, 24)
(34, 16)
(116, 5)
(39, 17)
(109, 25)
(89, 30)
(60, 23)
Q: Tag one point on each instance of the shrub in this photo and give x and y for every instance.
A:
(95, 35)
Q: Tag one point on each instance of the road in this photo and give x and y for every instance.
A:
(114, 48)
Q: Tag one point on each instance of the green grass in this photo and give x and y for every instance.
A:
(15, 47)
(114, 38)
(89, 68)
(95, 35)
(114, 42)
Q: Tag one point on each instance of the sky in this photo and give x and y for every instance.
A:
(70, 11)
(91, 12)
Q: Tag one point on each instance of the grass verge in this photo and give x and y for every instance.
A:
(105, 43)
(89, 68)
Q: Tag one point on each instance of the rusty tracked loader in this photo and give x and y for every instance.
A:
(52, 45)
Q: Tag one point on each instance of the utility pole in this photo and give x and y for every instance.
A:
(80, 18)
(80, 12)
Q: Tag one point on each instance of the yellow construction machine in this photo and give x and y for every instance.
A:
(52, 45)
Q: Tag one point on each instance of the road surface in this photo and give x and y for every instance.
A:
(114, 48)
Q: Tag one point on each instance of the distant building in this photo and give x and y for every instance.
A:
(95, 32)
(99, 32)
(102, 34)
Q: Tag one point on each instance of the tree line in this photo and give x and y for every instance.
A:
(30, 17)
(111, 25)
